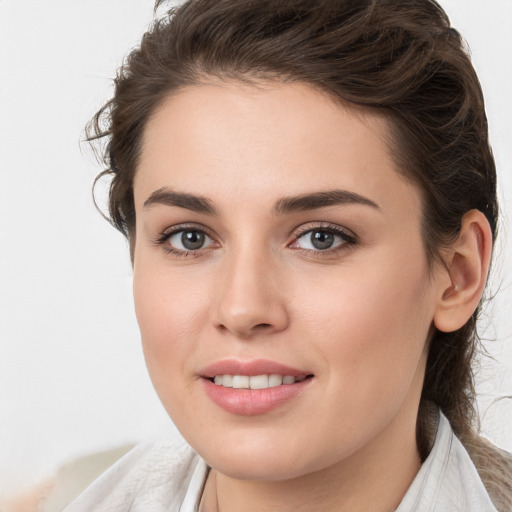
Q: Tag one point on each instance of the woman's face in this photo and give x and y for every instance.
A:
(275, 238)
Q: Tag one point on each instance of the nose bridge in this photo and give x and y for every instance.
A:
(249, 299)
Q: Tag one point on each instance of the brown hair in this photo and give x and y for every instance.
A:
(399, 57)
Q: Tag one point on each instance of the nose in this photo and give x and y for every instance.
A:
(249, 297)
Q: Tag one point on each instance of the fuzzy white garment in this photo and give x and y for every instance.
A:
(167, 476)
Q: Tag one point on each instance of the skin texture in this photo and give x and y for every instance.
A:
(356, 316)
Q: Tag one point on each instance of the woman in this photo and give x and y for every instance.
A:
(310, 199)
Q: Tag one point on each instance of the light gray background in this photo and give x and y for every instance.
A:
(72, 376)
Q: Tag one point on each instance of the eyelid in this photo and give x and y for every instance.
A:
(322, 225)
(349, 237)
(171, 230)
(167, 233)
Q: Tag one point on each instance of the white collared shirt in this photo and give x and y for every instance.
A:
(168, 476)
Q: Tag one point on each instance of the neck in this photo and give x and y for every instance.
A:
(374, 478)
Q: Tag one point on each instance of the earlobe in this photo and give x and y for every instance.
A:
(467, 264)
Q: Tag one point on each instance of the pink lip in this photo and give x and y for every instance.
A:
(250, 368)
(251, 402)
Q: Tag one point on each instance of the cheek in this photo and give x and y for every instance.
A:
(169, 317)
(372, 326)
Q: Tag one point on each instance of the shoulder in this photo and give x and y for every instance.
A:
(448, 480)
(462, 485)
(154, 474)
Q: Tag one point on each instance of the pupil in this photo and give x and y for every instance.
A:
(322, 239)
(192, 240)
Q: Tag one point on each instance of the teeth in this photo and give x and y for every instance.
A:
(240, 381)
(227, 381)
(255, 382)
(274, 380)
(258, 382)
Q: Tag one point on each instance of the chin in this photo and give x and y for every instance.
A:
(263, 469)
(268, 460)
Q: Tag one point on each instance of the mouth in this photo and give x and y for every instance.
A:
(250, 388)
(263, 381)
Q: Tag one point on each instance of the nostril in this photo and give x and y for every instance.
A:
(245, 332)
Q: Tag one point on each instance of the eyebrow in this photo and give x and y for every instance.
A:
(304, 202)
(192, 202)
(321, 200)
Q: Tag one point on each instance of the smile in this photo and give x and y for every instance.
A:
(253, 387)
(255, 381)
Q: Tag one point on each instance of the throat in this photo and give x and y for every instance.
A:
(209, 501)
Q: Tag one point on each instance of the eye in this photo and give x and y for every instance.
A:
(186, 240)
(323, 239)
(319, 239)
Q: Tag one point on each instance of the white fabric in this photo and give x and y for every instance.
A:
(167, 476)
(448, 480)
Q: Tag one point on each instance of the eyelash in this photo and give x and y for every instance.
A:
(349, 239)
(168, 233)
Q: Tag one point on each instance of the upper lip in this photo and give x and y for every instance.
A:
(250, 368)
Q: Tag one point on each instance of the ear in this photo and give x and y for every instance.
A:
(467, 261)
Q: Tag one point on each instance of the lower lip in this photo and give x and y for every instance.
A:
(251, 402)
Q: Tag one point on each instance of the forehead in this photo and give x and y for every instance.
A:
(268, 140)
